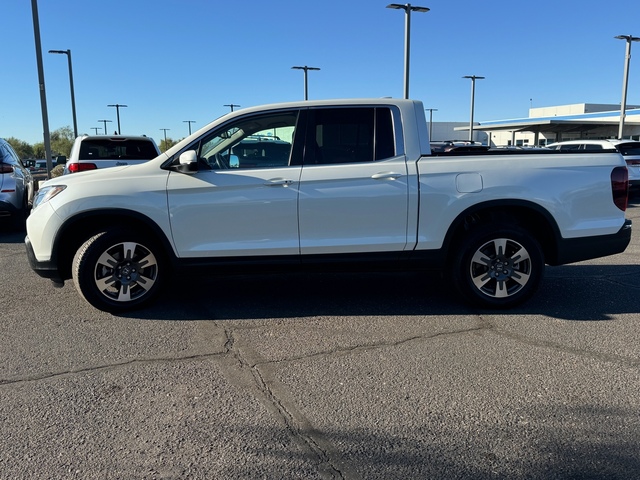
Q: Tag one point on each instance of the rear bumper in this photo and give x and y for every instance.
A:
(578, 249)
(44, 269)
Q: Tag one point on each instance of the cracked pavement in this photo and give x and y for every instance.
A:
(380, 376)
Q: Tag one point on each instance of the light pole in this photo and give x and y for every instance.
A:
(306, 81)
(473, 94)
(43, 94)
(105, 125)
(625, 79)
(408, 8)
(231, 105)
(165, 137)
(118, 107)
(189, 122)
(431, 110)
(73, 98)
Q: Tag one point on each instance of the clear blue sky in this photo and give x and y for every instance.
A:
(177, 60)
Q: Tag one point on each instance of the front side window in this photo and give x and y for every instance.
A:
(350, 135)
(256, 142)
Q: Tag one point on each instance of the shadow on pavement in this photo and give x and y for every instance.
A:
(572, 292)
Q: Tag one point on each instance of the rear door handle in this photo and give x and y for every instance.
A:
(386, 176)
(278, 182)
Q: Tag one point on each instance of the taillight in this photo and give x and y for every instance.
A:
(81, 167)
(633, 162)
(620, 187)
(6, 168)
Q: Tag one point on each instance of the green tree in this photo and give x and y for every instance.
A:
(166, 145)
(23, 149)
(62, 141)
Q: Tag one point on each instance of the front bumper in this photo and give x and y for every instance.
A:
(44, 269)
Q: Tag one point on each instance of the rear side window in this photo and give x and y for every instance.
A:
(350, 135)
(631, 148)
(109, 149)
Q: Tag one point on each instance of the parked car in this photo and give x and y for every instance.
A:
(101, 151)
(16, 186)
(630, 150)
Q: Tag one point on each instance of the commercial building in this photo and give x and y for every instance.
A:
(553, 124)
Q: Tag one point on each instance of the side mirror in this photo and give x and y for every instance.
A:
(188, 162)
(234, 161)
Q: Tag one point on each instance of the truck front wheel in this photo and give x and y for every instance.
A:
(118, 270)
(498, 266)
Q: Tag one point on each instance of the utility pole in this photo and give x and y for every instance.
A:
(408, 8)
(625, 80)
(306, 81)
(189, 122)
(118, 107)
(105, 125)
(165, 137)
(473, 94)
(231, 105)
(43, 95)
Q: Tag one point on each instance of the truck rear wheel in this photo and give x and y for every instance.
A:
(498, 266)
(118, 270)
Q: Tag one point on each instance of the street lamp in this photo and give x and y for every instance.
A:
(43, 94)
(431, 110)
(165, 137)
(73, 98)
(625, 79)
(473, 93)
(118, 106)
(231, 105)
(189, 122)
(105, 125)
(306, 83)
(408, 8)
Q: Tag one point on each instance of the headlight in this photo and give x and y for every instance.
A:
(47, 193)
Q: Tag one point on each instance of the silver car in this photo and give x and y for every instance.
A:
(16, 186)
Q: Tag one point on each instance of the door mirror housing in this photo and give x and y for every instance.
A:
(188, 162)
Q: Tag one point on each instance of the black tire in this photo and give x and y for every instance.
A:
(118, 270)
(498, 266)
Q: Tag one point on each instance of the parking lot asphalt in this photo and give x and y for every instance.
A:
(380, 376)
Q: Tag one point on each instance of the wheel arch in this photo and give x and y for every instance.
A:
(76, 230)
(528, 215)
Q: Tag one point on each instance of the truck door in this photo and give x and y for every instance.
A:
(243, 199)
(354, 186)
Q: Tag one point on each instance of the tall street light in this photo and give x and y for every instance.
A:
(189, 122)
(43, 95)
(408, 8)
(73, 98)
(306, 82)
(431, 110)
(118, 107)
(473, 94)
(625, 79)
(105, 125)
(165, 137)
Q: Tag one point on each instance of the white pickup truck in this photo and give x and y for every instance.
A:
(351, 183)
